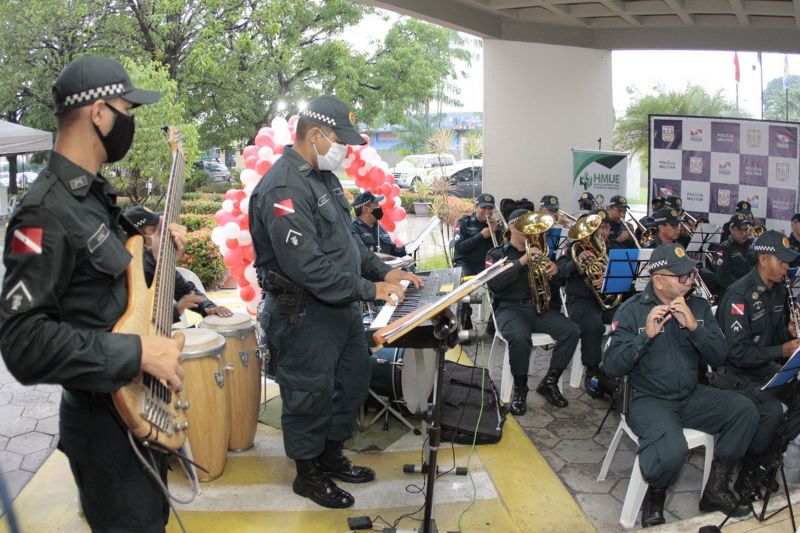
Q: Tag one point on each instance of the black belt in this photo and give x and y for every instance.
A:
(81, 398)
(517, 302)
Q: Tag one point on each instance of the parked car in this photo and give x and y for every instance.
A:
(24, 179)
(414, 170)
(466, 178)
(216, 171)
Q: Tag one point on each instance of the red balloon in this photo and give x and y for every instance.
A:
(230, 194)
(249, 150)
(278, 149)
(249, 254)
(232, 243)
(247, 293)
(375, 175)
(243, 281)
(388, 224)
(263, 166)
(236, 211)
(361, 183)
(264, 139)
(401, 214)
(243, 221)
(223, 217)
(293, 121)
(240, 195)
(237, 270)
(390, 179)
(250, 161)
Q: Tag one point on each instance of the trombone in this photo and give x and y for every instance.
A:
(630, 229)
(565, 220)
(500, 220)
(647, 234)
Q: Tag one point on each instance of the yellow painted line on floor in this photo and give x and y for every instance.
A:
(532, 492)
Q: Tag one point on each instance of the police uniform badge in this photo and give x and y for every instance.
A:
(352, 118)
(622, 200)
(552, 200)
(785, 242)
(678, 201)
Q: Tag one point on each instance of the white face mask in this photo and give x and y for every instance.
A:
(334, 157)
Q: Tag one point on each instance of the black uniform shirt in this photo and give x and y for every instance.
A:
(513, 283)
(574, 281)
(794, 244)
(668, 367)
(65, 284)
(367, 235)
(753, 319)
(300, 223)
(734, 261)
(615, 230)
(471, 247)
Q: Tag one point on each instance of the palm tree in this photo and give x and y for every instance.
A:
(631, 130)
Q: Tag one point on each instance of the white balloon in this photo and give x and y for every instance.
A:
(283, 136)
(244, 238)
(248, 189)
(250, 274)
(367, 166)
(227, 206)
(223, 249)
(397, 203)
(265, 152)
(248, 175)
(218, 235)
(231, 230)
(346, 163)
(274, 158)
(279, 123)
(363, 171)
(369, 154)
(252, 306)
(383, 165)
(244, 204)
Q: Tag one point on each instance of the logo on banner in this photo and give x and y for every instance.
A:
(724, 197)
(783, 140)
(782, 172)
(665, 191)
(753, 138)
(696, 165)
(725, 168)
(668, 132)
(753, 201)
(696, 135)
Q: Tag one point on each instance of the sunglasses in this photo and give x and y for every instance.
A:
(683, 278)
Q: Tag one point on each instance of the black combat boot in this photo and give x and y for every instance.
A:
(751, 476)
(519, 401)
(718, 496)
(335, 464)
(653, 507)
(592, 389)
(313, 484)
(549, 388)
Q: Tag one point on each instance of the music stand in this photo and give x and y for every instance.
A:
(413, 246)
(446, 332)
(704, 236)
(626, 270)
(556, 241)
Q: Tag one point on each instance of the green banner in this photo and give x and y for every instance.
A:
(600, 173)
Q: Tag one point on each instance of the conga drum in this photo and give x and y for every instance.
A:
(204, 388)
(243, 382)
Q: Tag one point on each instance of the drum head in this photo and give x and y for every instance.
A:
(201, 342)
(236, 322)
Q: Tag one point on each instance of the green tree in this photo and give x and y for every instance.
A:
(145, 170)
(775, 99)
(631, 130)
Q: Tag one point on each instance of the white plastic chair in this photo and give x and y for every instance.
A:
(637, 486)
(576, 371)
(507, 380)
(190, 276)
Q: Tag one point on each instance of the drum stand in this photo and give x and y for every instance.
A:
(386, 410)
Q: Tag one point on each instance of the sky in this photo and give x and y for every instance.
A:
(642, 69)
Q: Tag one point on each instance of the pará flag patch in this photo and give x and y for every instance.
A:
(737, 309)
(489, 262)
(284, 207)
(27, 241)
(614, 325)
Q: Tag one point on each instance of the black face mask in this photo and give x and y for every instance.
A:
(119, 139)
(378, 213)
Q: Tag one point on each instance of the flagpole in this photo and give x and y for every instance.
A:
(761, 84)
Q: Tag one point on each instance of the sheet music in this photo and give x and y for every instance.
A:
(417, 242)
(557, 240)
(787, 373)
(643, 275)
(623, 266)
(705, 235)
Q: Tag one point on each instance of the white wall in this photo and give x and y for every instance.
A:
(540, 101)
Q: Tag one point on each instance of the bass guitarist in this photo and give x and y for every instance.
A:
(65, 288)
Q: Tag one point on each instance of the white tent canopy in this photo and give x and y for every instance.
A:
(16, 139)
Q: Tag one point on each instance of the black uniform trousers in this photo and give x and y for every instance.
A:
(591, 320)
(116, 493)
(659, 425)
(771, 415)
(519, 320)
(323, 371)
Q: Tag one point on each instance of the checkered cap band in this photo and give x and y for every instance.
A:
(93, 94)
(764, 248)
(657, 265)
(319, 117)
(139, 223)
(362, 204)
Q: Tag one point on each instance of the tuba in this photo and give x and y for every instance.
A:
(584, 232)
(534, 226)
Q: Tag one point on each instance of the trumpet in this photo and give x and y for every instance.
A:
(500, 220)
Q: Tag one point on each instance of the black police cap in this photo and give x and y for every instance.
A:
(93, 78)
(367, 197)
(141, 216)
(335, 114)
(775, 243)
(671, 257)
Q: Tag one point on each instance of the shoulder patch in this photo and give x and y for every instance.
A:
(98, 237)
(18, 299)
(78, 183)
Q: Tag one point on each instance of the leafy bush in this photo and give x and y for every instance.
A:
(202, 257)
(204, 206)
(221, 188)
(197, 222)
(195, 179)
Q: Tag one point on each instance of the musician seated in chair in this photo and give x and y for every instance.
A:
(586, 202)
(549, 205)
(582, 301)
(517, 319)
(667, 223)
(367, 227)
(658, 338)
(473, 236)
(65, 288)
(187, 295)
(656, 203)
(620, 231)
(754, 315)
(735, 257)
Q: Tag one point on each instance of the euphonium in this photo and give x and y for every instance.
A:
(589, 240)
(534, 226)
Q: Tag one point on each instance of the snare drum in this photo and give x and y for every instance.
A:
(244, 379)
(204, 389)
(405, 377)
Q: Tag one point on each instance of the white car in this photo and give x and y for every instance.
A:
(413, 170)
(24, 179)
